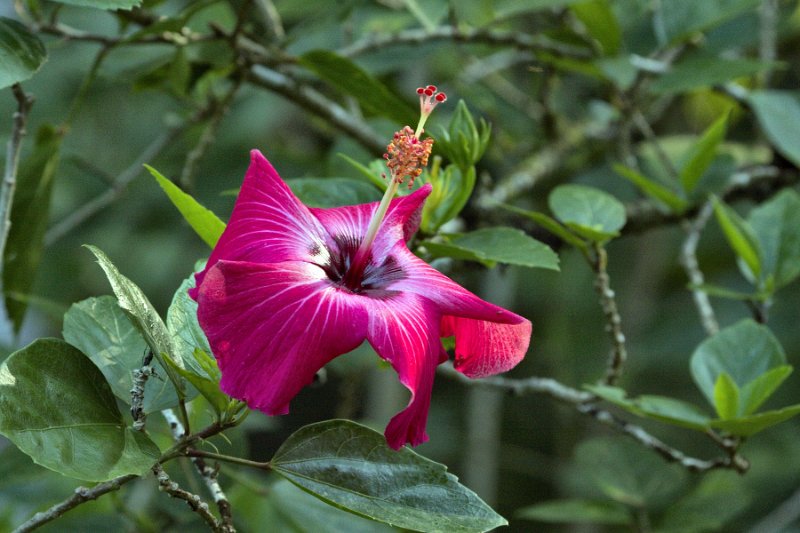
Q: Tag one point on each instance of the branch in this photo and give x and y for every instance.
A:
(613, 327)
(477, 36)
(208, 474)
(81, 495)
(313, 101)
(13, 149)
(688, 259)
(195, 503)
(140, 377)
(584, 403)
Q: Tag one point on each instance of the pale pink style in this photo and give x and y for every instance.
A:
(276, 304)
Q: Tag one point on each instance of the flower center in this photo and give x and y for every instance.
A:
(373, 278)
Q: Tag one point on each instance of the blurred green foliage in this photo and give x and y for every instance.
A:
(613, 125)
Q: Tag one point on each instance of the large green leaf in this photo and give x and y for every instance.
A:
(29, 215)
(744, 351)
(101, 329)
(103, 4)
(357, 83)
(133, 301)
(350, 466)
(204, 222)
(576, 512)
(590, 212)
(56, 406)
(776, 225)
(741, 238)
(778, 112)
(549, 224)
(21, 52)
(496, 245)
(702, 154)
(679, 19)
(333, 192)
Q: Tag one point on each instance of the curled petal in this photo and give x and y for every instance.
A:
(272, 326)
(269, 224)
(486, 348)
(404, 330)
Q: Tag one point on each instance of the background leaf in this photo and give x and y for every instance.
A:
(29, 217)
(56, 406)
(354, 81)
(744, 351)
(205, 223)
(702, 154)
(333, 192)
(21, 52)
(778, 112)
(351, 466)
(590, 212)
(576, 512)
(103, 4)
(776, 225)
(496, 245)
(741, 238)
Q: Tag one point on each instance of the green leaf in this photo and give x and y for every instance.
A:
(717, 499)
(576, 512)
(679, 19)
(740, 236)
(744, 351)
(757, 391)
(626, 472)
(752, 424)
(601, 24)
(707, 71)
(192, 348)
(372, 172)
(463, 143)
(726, 397)
(702, 154)
(101, 330)
(776, 225)
(590, 212)
(103, 4)
(29, 216)
(333, 192)
(357, 83)
(723, 292)
(56, 406)
(133, 301)
(351, 467)
(653, 189)
(205, 223)
(21, 53)
(548, 223)
(778, 112)
(496, 245)
(661, 408)
(451, 190)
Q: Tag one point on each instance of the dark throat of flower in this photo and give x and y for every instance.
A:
(405, 157)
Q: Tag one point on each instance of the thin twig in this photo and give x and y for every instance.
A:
(478, 36)
(613, 327)
(140, 377)
(81, 495)
(767, 36)
(318, 104)
(585, 404)
(688, 259)
(194, 501)
(208, 474)
(13, 149)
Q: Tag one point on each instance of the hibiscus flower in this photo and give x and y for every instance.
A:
(288, 288)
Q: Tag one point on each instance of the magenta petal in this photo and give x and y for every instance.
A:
(404, 330)
(268, 224)
(273, 326)
(486, 348)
